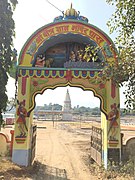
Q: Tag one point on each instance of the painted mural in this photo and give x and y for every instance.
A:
(70, 55)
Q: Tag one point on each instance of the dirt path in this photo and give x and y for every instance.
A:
(60, 151)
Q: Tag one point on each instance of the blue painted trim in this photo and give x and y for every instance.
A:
(57, 69)
(105, 159)
(21, 157)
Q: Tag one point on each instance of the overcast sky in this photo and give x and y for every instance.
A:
(30, 15)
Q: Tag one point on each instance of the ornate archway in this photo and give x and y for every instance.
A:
(53, 44)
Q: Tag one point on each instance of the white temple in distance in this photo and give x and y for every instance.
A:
(67, 109)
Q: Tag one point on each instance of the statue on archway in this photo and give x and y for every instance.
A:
(40, 61)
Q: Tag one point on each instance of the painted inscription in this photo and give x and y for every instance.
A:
(47, 32)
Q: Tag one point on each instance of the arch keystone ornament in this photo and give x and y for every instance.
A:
(68, 51)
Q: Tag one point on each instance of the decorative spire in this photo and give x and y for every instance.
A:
(67, 110)
(71, 13)
(67, 98)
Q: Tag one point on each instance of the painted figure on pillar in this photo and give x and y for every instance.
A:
(112, 117)
(21, 121)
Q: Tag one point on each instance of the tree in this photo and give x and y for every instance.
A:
(122, 22)
(6, 45)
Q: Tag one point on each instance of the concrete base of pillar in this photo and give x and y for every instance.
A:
(21, 157)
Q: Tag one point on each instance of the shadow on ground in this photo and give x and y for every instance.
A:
(37, 171)
(51, 173)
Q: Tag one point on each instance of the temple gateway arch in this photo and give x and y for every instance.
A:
(68, 51)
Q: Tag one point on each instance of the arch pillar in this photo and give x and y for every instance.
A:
(23, 125)
(110, 125)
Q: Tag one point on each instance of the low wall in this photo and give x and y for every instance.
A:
(129, 149)
(4, 144)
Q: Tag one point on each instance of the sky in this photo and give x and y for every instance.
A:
(30, 15)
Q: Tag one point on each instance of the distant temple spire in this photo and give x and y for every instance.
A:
(71, 6)
(67, 98)
(67, 102)
(67, 110)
